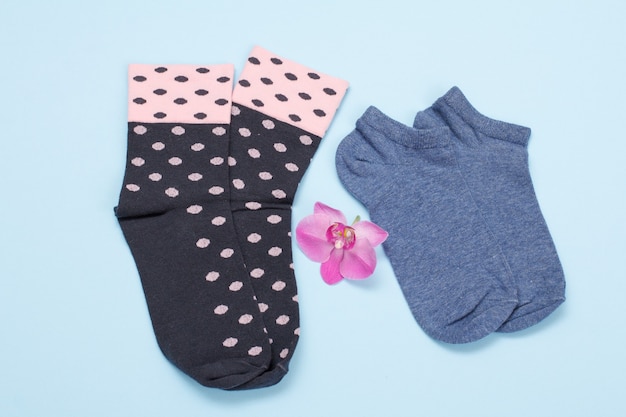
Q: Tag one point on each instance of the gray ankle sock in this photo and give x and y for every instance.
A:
(451, 271)
(493, 159)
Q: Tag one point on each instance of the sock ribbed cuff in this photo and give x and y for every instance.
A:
(289, 91)
(402, 134)
(455, 102)
(180, 93)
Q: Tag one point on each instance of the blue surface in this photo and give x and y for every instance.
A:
(75, 336)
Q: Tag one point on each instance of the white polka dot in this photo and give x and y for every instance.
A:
(295, 298)
(138, 161)
(245, 132)
(245, 319)
(254, 237)
(203, 243)
(278, 286)
(230, 342)
(140, 130)
(257, 273)
(291, 264)
(297, 331)
(274, 219)
(178, 130)
(220, 309)
(171, 192)
(158, 146)
(195, 176)
(263, 307)
(218, 221)
(291, 167)
(270, 339)
(254, 153)
(235, 286)
(155, 176)
(212, 276)
(238, 184)
(282, 320)
(216, 190)
(197, 147)
(232, 161)
(227, 253)
(283, 353)
(218, 160)
(255, 351)
(306, 140)
(175, 161)
(132, 187)
(275, 251)
(279, 194)
(195, 209)
(268, 124)
(265, 175)
(253, 205)
(280, 147)
(235, 111)
(219, 131)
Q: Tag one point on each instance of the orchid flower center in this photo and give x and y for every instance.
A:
(340, 235)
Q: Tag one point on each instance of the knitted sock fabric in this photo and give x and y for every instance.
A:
(281, 111)
(493, 159)
(175, 213)
(451, 271)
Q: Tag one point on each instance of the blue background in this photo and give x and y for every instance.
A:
(75, 335)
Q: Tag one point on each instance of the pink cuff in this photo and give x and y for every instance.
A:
(289, 91)
(180, 93)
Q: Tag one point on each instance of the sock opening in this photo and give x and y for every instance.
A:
(455, 101)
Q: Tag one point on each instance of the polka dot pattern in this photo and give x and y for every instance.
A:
(203, 243)
(180, 93)
(212, 276)
(178, 165)
(172, 192)
(176, 212)
(230, 342)
(275, 155)
(224, 191)
(245, 319)
(289, 91)
(218, 221)
(257, 273)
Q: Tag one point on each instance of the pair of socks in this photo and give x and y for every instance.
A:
(205, 208)
(467, 240)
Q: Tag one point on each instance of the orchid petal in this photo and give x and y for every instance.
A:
(330, 268)
(358, 262)
(334, 215)
(370, 231)
(311, 237)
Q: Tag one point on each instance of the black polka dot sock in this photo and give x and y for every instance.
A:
(175, 213)
(281, 110)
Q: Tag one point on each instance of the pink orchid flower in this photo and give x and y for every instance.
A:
(344, 251)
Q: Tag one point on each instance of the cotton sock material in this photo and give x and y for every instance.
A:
(493, 159)
(174, 211)
(449, 267)
(280, 113)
